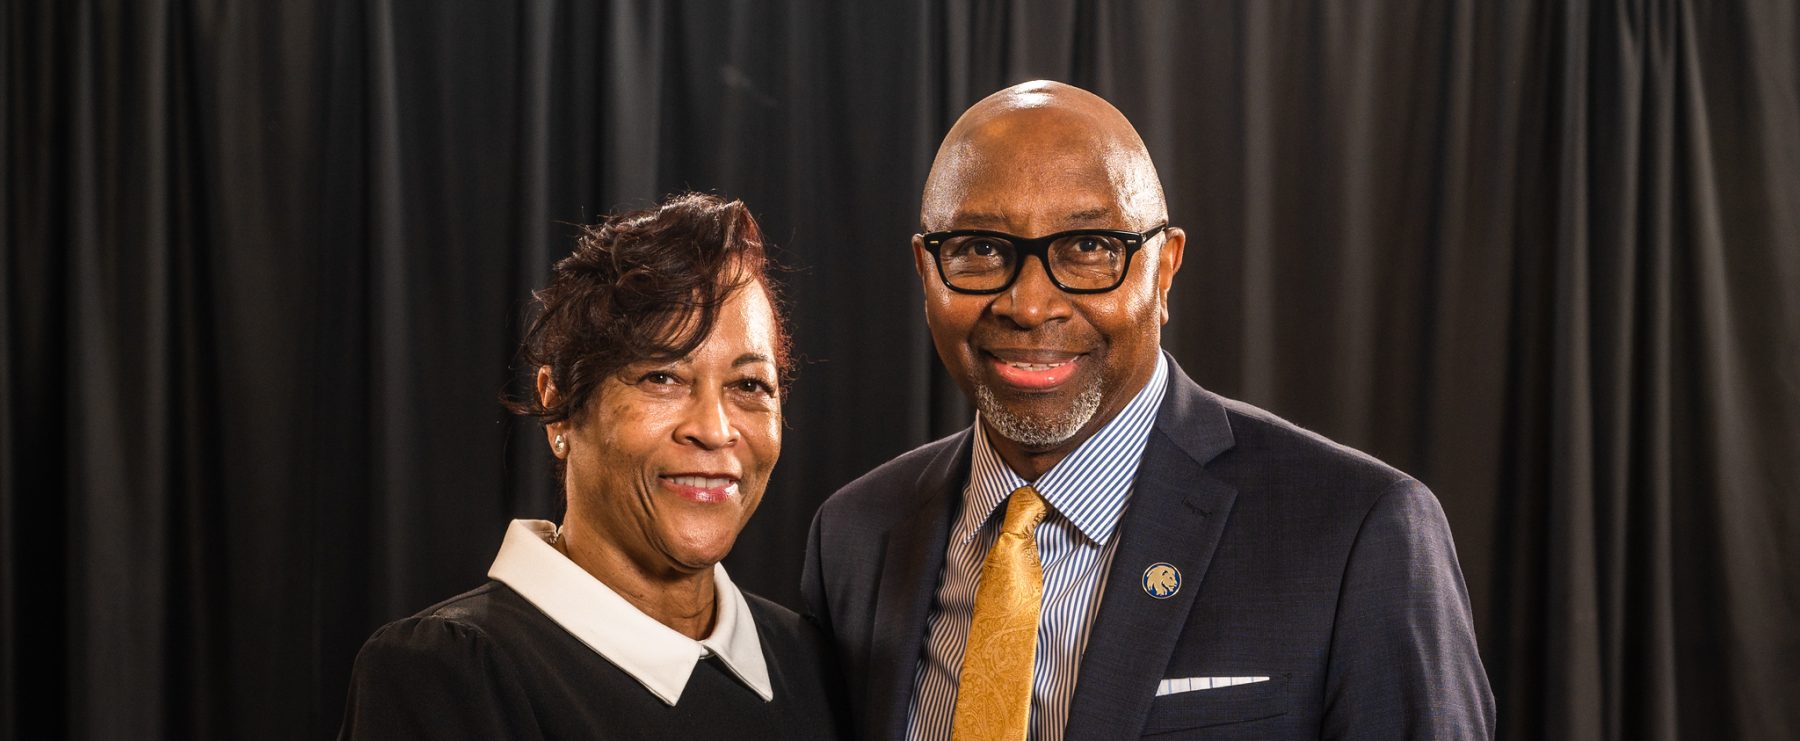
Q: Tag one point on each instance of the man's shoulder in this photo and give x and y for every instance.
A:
(787, 632)
(1262, 430)
(892, 488)
(1269, 448)
(777, 623)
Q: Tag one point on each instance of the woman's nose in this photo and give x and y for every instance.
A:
(705, 423)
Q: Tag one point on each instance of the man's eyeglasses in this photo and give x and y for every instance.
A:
(1077, 261)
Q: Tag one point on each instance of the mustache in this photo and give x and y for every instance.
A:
(1041, 336)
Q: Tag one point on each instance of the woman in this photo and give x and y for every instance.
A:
(660, 355)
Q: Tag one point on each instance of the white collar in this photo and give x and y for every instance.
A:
(656, 655)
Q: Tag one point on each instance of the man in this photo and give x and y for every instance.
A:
(1110, 550)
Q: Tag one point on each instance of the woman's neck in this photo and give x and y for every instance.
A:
(684, 601)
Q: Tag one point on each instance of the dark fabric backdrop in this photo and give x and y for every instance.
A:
(264, 265)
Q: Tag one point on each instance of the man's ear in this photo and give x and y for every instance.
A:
(1168, 263)
(921, 258)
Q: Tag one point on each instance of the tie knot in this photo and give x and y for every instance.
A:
(1024, 510)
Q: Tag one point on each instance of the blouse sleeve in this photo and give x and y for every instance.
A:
(435, 678)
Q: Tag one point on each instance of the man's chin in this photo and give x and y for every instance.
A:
(1038, 423)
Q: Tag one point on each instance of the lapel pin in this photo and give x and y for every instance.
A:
(1162, 580)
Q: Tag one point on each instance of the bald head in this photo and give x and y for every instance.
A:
(1037, 137)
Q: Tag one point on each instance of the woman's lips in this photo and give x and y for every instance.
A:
(1042, 375)
(701, 488)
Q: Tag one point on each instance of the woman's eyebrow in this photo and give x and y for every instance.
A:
(751, 357)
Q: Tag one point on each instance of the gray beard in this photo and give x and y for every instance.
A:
(1038, 432)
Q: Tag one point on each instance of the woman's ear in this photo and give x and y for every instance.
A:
(546, 388)
(555, 433)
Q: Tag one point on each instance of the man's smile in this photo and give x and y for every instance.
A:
(1033, 370)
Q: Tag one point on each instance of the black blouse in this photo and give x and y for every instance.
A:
(487, 664)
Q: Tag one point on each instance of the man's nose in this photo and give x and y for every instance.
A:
(705, 422)
(1033, 299)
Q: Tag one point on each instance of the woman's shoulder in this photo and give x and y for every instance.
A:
(485, 607)
(458, 631)
(487, 629)
(440, 668)
(473, 616)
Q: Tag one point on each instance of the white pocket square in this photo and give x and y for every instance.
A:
(1190, 684)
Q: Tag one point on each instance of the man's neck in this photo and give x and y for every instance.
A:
(1032, 463)
(1029, 465)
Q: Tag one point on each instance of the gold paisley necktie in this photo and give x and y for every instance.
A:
(993, 695)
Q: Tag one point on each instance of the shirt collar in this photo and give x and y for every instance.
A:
(1089, 487)
(654, 654)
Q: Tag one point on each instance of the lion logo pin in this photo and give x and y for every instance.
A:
(1162, 580)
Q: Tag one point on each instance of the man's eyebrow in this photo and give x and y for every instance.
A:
(992, 220)
(979, 219)
(1088, 216)
(751, 357)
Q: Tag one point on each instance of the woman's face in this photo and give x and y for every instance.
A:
(670, 459)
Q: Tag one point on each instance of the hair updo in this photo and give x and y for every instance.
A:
(641, 286)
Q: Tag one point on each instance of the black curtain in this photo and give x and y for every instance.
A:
(264, 265)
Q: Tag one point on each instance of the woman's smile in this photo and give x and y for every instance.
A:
(701, 488)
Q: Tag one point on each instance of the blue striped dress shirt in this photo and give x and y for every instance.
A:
(1087, 492)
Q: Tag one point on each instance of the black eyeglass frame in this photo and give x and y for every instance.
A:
(1039, 246)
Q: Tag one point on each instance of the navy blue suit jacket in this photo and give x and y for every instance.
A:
(1302, 560)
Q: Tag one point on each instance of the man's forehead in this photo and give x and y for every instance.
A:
(1007, 216)
(1066, 137)
(1065, 161)
(1057, 191)
(1002, 157)
(1064, 176)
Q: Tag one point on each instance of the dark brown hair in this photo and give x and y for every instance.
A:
(645, 285)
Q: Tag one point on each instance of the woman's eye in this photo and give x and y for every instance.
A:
(657, 377)
(755, 386)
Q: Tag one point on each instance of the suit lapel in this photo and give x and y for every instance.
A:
(909, 575)
(1176, 515)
